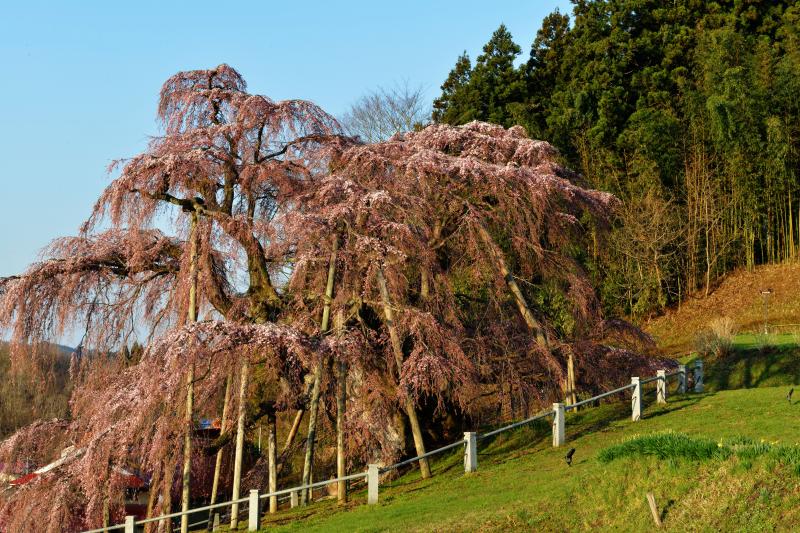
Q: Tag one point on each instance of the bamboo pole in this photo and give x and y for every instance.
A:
(313, 408)
(397, 349)
(237, 462)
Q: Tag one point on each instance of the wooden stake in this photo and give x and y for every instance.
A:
(653, 509)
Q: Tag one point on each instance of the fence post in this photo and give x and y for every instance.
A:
(372, 484)
(698, 376)
(253, 511)
(636, 399)
(215, 526)
(681, 379)
(130, 524)
(293, 499)
(661, 386)
(471, 452)
(558, 425)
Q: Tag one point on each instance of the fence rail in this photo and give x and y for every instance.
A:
(469, 442)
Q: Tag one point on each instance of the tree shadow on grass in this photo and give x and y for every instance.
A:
(528, 439)
(622, 412)
(751, 367)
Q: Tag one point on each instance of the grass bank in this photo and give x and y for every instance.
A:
(523, 483)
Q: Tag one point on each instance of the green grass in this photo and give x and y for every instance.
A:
(666, 445)
(672, 445)
(736, 483)
(723, 460)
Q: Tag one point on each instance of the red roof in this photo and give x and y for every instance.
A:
(134, 482)
(22, 480)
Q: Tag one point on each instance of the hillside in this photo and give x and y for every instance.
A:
(24, 397)
(523, 483)
(738, 296)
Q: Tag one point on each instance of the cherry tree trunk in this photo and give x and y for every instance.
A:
(313, 408)
(151, 501)
(341, 406)
(533, 325)
(237, 462)
(166, 495)
(298, 418)
(433, 242)
(397, 348)
(218, 463)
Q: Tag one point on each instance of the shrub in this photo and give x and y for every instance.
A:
(717, 340)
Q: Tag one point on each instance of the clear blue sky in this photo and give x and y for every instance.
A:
(80, 79)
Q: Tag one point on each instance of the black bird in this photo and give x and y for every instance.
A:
(568, 457)
(789, 396)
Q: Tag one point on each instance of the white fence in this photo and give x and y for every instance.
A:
(470, 443)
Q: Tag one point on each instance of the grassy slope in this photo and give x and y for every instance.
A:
(756, 361)
(523, 483)
(739, 297)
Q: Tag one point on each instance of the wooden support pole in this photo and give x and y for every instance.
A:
(187, 451)
(237, 462)
(341, 407)
(187, 442)
(572, 393)
(313, 408)
(218, 460)
(272, 460)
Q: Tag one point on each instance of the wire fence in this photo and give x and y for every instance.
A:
(252, 507)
